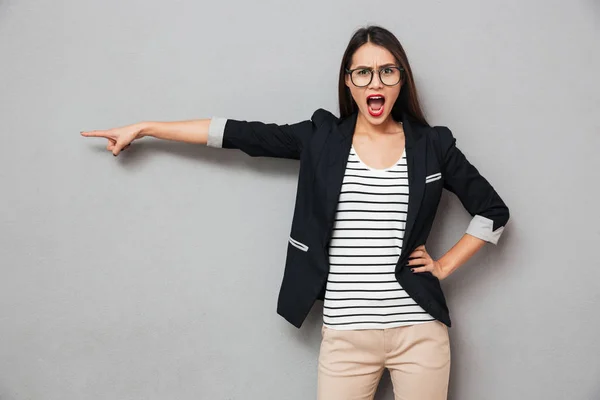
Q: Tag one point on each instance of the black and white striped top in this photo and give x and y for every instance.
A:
(362, 291)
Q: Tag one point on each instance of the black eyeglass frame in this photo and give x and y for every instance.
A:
(371, 70)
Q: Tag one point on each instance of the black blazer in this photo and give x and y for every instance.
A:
(322, 145)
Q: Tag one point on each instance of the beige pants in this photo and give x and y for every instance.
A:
(417, 356)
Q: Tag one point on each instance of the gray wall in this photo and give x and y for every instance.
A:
(155, 275)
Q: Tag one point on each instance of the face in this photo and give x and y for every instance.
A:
(375, 101)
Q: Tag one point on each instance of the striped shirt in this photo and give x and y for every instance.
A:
(362, 291)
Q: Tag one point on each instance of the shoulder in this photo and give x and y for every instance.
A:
(442, 136)
(321, 117)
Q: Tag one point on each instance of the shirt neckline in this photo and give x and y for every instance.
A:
(378, 169)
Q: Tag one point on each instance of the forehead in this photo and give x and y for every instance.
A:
(370, 54)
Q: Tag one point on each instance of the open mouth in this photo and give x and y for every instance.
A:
(375, 104)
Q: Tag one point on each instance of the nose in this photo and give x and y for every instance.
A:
(375, 82)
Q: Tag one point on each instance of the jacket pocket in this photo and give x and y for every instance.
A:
(297, 244)
(433, 177)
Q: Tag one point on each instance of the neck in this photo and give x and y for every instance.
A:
(388, 127)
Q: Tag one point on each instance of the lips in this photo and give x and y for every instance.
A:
(375, 104)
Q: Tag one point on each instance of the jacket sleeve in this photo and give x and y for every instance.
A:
(477, 195)
(259, 139)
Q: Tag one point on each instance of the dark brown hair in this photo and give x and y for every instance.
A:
(407, 101)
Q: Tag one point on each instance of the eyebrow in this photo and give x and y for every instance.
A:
(381, 66)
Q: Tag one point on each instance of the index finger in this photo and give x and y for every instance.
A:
(97, 133)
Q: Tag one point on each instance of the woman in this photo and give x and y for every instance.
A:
(368, 190)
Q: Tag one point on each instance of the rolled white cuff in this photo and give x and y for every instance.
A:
(216, 128)
(482, 228)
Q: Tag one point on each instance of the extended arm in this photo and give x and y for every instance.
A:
(255, 138)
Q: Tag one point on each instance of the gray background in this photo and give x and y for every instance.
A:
(155, 275)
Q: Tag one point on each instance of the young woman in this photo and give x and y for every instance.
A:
(368, 190)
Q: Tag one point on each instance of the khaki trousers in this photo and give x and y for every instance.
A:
(351, 362)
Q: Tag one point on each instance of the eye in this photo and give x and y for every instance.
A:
(388, 71)
(363, 72)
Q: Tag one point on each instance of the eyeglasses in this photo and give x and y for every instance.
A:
(389, 76)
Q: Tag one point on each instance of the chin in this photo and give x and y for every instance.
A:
(375, 120)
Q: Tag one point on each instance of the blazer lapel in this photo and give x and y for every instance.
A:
(339, 144)
(417, 163)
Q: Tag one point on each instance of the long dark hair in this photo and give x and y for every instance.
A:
(407, 101)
